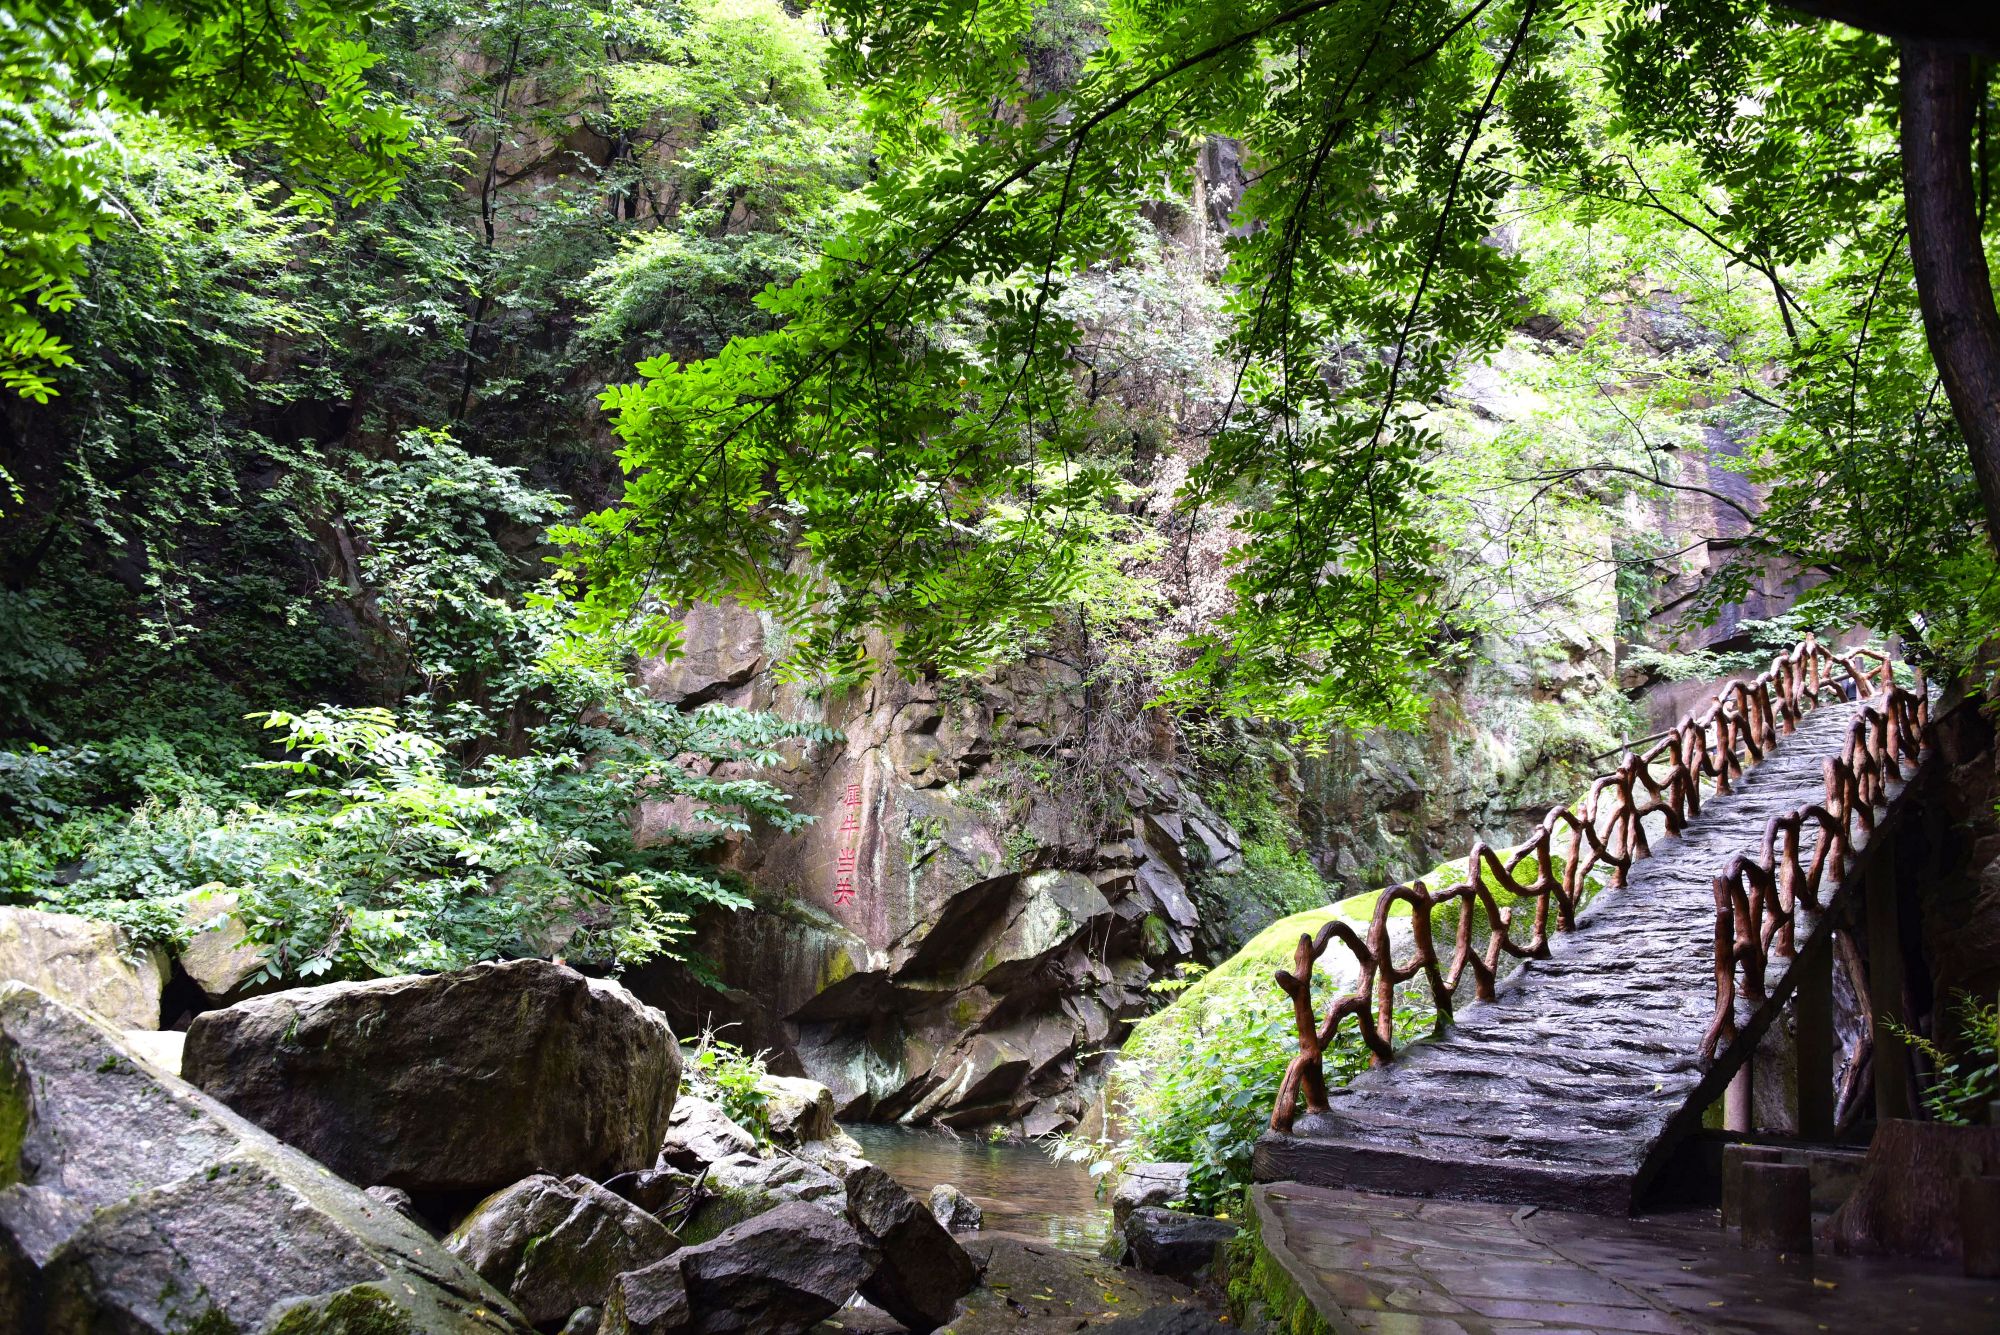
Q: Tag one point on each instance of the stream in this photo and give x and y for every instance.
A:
(1019, 1187)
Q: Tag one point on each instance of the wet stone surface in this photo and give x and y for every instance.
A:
(1558, 1090)
(1404, 1267)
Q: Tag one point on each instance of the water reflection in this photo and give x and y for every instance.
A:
(1020, 1189)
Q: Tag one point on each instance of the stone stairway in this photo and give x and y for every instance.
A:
(1572, 1085)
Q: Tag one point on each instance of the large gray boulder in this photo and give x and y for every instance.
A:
(85, 963)
(136, 1204)
(778, 1274)
(1168, 1242)
(743, 1186)
(1147, 1184)
(555, 1244)
(699, 1133)
(797, 1110)
(923, 1271)
(958, 1212)
(449, 1083)
(218, 957)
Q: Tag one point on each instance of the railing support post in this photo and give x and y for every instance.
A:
(1891, 1060)
(1739, 1110)
(1812, 1028)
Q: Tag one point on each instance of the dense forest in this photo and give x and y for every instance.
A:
(473, 472)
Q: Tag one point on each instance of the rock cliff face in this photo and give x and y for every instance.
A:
(971, 924)
(968, 927)
(1502, 743)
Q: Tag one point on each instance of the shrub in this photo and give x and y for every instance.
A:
(394, 857)
(1198, 1080)
(732, 1079)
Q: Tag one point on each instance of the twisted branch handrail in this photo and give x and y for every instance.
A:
(1758, 899)
(1605, 830)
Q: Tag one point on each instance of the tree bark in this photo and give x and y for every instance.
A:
(1954, 286)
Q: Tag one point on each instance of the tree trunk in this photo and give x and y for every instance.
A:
(1953, 284)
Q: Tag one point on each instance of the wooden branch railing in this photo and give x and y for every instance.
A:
(1758, 899)
(1574, 849)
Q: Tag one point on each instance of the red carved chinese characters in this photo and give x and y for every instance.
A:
(850, 834)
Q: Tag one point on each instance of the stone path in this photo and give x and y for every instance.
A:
(1567, 1088)
(1393, 1266)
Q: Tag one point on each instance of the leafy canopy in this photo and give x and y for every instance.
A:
(229, 76)
(908, 449)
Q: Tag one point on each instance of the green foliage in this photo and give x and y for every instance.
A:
(392, 857)
(1965, 1082)
(75, 78)
(1197, 1081)
(428, 525)
(30, 781)
(732, 1079)
(921, 382)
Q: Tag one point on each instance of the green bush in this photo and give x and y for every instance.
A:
(392, 856)
(731, 1079)
(1198, 1079)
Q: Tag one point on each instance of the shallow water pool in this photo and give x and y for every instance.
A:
(1019, 1187)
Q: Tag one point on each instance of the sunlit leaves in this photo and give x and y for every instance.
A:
(288, 76)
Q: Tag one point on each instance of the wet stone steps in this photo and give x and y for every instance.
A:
(1563, 1089)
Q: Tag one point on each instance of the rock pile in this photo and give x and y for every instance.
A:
(451, 1085)
(952, 939)
(136, 1203)
(141, 1203)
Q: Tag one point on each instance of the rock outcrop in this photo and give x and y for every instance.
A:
(137, 1204)
(450, 1084)
(1146, 1184)
(699, 1134)
(797, 1110)
(780, 1273)
(923, 1271)
(217, 958)
(958, 1212)
(958, 937)
(1168, 1242)
(83, 962)
(556, 1244)
(743, 1186)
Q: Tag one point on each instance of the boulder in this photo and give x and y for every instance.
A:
(923, 1271)
(744, 1186)
(555, 1244)
(583, 1321)
(1144, 1184)
(1167, 1242)
(778, 1274)
(450, 1083)
(217, 958)
(699, 1134)
(83, 962)
(838, 1153)
(797, 1110)
(958, 1212)
(137, 1204)
(161, 1047)
(655, 1190)
(652, 1301)
(398, 1200)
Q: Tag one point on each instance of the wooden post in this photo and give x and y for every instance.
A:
(1812, 1027)
(1891, 1060)
(1738, 1108)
